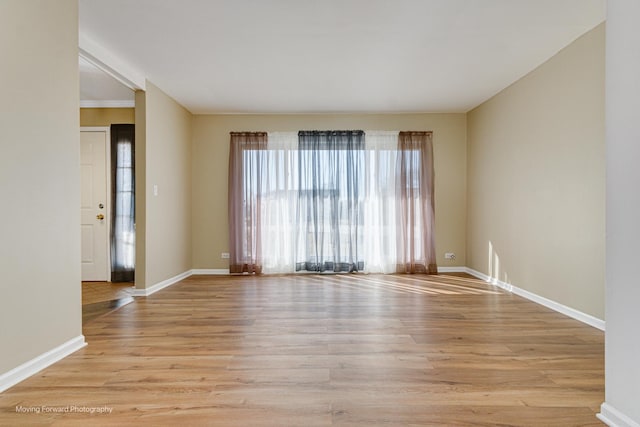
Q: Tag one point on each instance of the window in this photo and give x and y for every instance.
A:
(123, 196)
(327, 201)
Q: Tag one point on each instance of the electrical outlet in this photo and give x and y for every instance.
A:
(224, 255)
(449, 255)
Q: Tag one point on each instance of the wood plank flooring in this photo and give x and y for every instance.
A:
(100, 298)
(93, 292)
(395, 350)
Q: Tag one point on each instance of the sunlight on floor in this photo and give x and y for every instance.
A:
(416, 284)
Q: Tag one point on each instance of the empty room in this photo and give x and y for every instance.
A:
(296, 213)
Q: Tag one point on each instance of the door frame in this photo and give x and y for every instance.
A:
(107, 157)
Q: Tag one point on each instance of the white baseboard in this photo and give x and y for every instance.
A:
(614, 418)
(479, 275)
(158, 286)
(35, 365)
(452, 269)
(175, 279)
(211, 271)
(553, 305)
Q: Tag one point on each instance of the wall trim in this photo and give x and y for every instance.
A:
(175, 279)
(614, 418)
(211, 271)
(161, 285)
(110, 63)
(480, 276)
(125, 103)
(96, 129)
(457, 269)
(553, 305)
(38, 363)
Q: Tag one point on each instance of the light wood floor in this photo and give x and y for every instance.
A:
(93, 292)
(100, 298)
(324, 350)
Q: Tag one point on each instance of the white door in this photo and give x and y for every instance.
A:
(93, 205)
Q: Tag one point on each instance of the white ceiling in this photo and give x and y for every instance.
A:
(303, 56)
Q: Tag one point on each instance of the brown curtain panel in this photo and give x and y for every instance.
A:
(246, 164)
(415, 204)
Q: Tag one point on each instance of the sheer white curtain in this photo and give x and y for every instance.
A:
(283, 230)
(280, 198)
(380, 202)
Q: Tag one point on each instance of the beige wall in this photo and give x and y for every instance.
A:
(40, 305)
(536, 179)
(141, 188)
(211, 158)
(166, 220)
(106, 116)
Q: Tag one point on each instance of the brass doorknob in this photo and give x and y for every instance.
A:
(100, 217)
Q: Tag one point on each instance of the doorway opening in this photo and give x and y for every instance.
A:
(107, 117)
(107, 165)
